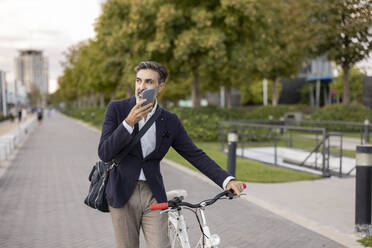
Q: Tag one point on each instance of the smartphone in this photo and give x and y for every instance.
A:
(148, 94)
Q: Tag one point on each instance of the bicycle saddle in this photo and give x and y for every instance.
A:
(181, 193)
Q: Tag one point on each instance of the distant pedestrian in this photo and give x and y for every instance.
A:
(19, 114)
(40, 115)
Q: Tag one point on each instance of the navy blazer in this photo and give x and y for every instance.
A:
(169, 132)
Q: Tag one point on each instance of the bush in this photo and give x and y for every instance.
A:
(202, 123)
(341, 112)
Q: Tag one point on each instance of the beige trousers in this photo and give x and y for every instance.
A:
(136, 214)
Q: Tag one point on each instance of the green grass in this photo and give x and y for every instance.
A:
(299, 141)
(85, 115)
(367, 241)
(246, 170)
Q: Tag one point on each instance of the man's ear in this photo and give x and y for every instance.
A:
(161, 86)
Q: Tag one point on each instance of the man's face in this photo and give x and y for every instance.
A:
(147, 79)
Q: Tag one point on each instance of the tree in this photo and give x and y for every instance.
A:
(285, 36)
(189, 37)
(349, 38)
(34, 96)
(356, 86)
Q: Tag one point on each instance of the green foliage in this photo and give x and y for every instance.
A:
(340, 112)
(366, 241)
(204, 44)
(34, 96)
(356, 85)
(348, 38)
(252, 93)
(202, 123)
(284, 38)
(86, 115)
(350, 42)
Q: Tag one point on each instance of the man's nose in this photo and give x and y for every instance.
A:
(142, 86)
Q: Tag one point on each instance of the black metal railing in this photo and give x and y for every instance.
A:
(258, 135)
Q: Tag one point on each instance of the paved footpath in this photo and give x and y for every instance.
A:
(42, 192)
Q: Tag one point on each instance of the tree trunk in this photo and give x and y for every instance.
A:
(80, 102)
(95, 99)
(228, 97)
(101, 100)
(112, 96)
(346, 99)
(195, 91)
(274, 94)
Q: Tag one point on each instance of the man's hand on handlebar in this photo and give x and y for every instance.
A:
(236, 187)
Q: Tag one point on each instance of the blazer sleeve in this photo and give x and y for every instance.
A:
(187, 149)
(113, 137)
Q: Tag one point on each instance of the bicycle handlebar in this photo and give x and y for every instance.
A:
(177, 202)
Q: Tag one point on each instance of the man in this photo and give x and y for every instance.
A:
(137, 183)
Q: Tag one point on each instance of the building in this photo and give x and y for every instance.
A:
(3, 99)
(31, 69)
(317, 75)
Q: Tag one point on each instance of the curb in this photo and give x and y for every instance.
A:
(12, 141)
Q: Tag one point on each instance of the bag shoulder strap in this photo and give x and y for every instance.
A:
(136, 138)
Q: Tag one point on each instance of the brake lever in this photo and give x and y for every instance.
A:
(165, 211)
(230, 194)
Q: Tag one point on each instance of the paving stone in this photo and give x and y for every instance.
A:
(42, 195)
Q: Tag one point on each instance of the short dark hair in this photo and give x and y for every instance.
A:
(155, 66)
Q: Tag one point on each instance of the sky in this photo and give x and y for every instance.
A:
(48, 25)
(52, 26)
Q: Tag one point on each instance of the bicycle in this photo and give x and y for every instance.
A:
(177, 229)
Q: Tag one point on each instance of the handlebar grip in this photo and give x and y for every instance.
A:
(159, 206)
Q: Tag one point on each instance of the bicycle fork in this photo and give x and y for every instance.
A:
(210, 241)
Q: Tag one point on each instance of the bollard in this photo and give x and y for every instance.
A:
(232, 139)
(271, 118)
(92, 115)
(363, 189)
(366, 131)
(282, 123)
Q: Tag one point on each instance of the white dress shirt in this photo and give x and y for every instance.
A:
(148, 141)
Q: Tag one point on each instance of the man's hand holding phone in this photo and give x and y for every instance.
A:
(138, 112)
(142, 108)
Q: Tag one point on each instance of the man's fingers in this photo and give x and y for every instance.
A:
(236, 190)
(145, 109)
(139, 103)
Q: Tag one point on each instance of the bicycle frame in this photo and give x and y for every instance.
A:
(177, 219)
(177, 229)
